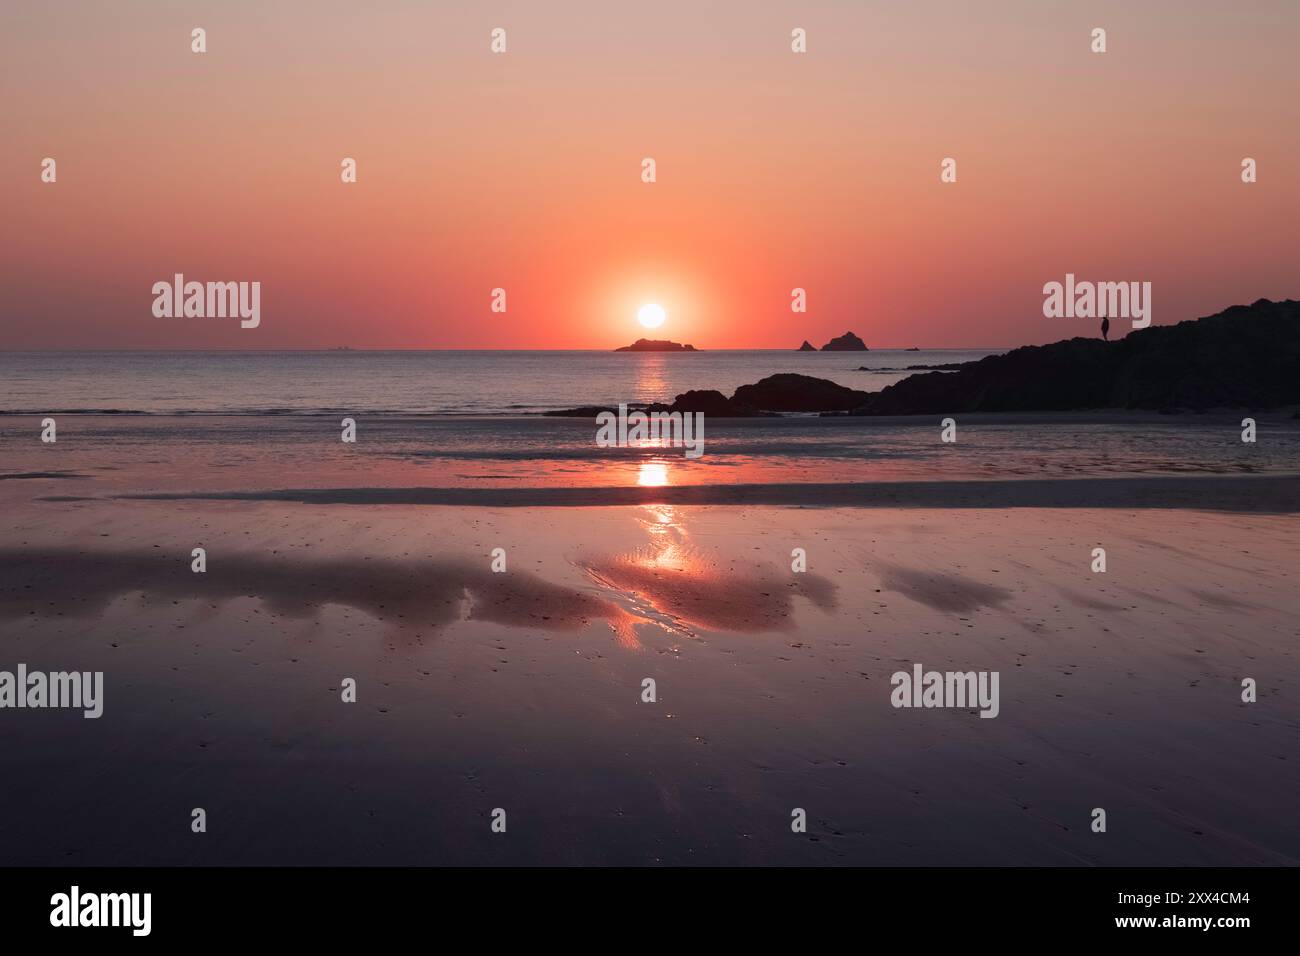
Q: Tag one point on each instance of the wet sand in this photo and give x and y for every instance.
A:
(522, 689)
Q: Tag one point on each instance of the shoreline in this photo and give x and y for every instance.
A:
(1253, 494)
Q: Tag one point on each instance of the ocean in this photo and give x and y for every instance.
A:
(415, 383)
(231, 421)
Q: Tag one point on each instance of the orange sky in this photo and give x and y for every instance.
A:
(775, 170)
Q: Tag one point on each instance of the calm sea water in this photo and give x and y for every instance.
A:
(228, 420)
(446, 383)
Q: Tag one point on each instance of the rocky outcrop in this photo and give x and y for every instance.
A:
(656, 345)
(848, 342)
(1243, 357)
(706, 400)
(807, 347)
(788, 392)
(785, 392)
(585, 411)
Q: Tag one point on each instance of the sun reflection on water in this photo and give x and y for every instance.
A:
(652, 378)
(653, 474)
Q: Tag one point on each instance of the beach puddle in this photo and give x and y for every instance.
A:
(668, 584)
(72, 583)
(687, 589)
(943, 591)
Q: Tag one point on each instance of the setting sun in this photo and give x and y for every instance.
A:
(651, 316)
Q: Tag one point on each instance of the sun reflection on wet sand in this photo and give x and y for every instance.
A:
(668, 550)
(684, 589)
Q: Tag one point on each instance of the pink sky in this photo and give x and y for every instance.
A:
(522, 170)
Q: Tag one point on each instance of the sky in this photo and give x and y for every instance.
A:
(522, 170)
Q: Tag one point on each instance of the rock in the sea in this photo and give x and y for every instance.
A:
(656, 345)
(582, 411)
(848, 342)
(788, 392)
(706, 400)
(1243, 357)
(807, 347)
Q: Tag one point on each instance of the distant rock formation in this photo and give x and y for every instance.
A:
(807, 347)
(1243, 357)
(656, 345)
(848, 342)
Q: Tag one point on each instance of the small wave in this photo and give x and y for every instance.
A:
(278, 412)
(76, 411)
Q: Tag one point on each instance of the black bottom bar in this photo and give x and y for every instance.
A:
(330, 905)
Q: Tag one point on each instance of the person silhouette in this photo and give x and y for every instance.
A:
(1105, 328)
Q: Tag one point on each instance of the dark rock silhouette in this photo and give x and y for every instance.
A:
(706, 400)
(788, 392)
(656, 345)
(586, 411)
(848, 342)
(807, 347)
(1243, 357)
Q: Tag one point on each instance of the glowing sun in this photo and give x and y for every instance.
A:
(651, 316)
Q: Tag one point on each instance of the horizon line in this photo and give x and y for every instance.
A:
(616, 350)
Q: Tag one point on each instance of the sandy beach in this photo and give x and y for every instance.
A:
(522, 690)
